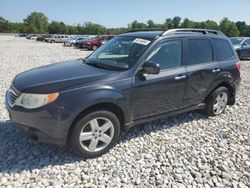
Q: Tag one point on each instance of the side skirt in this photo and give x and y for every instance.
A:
(163, 115)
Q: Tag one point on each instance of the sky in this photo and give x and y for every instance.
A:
(119, 13)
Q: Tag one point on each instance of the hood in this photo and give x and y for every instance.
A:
(57, 77)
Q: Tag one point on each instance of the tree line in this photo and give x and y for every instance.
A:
(37, 22)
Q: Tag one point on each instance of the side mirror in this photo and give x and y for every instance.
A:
(150, 67)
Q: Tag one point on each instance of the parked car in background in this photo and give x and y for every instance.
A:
(42, 37)
(73, 40)
(94, 43)
(242, 46)
(34, 37)
(79, 42)
(21, 35)
(57, 38)
(136, 77)
(29, 36)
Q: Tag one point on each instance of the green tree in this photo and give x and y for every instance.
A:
(229, 28)
(4, 25)
(187, 23)
(176, 22)
(168, 23)
(211, 24)
(93, 29)
(57, 28)
(150, 24)
(36, 22)
(242, 27)
(137, 25)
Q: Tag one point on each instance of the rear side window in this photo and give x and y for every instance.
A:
(199, 51)
(223, 50)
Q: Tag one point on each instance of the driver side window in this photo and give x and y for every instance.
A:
(168, 54)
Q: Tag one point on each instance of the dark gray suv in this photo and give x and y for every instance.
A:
(136, 77)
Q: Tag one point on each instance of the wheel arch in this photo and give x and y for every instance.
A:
(109, 106)
(230, 88)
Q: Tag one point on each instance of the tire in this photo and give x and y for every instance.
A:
(217, 102)
(92, 145)
(94, 47)
(52, 41)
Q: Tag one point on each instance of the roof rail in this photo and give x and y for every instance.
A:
(202, 31)
(145, 29)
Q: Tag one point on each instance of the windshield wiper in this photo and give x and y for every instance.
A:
(97, 65)
(82, 60)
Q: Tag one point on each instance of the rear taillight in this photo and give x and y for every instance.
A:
(238, 65)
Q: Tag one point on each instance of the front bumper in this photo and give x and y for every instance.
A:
(45, 124)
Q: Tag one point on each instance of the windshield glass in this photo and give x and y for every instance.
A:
(236, 41)
(120, 53)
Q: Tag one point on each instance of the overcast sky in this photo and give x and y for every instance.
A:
(118, 13)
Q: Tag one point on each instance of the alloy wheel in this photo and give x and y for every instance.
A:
(220, 103)
(96, 134)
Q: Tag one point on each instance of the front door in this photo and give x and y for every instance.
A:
(156, 94)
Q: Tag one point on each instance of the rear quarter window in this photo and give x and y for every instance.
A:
(223, 50)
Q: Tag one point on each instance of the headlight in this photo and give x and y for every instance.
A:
(32, 101)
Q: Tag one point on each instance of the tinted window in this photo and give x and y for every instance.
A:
(223, 50)
(247, 41)
(199, 51)
(167, 55)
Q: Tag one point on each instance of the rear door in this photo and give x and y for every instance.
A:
(201, 69)
(226, 57)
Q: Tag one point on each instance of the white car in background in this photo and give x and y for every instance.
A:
(57, 38)
(71, 41)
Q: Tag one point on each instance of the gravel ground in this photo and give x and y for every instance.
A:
(187, 150)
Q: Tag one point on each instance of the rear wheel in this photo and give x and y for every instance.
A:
(94, 134)
(52, 41)
(217, 101)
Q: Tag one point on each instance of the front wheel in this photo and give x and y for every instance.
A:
(94, 134)
(217, 102)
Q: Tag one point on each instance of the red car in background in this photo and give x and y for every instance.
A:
(94, 43)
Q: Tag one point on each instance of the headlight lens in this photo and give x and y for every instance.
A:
(32, 101)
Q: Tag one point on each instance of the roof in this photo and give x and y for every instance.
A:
(143, 34)
(177, 32)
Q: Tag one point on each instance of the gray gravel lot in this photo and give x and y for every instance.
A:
(187, 150)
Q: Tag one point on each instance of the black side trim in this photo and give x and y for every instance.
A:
(164, 115)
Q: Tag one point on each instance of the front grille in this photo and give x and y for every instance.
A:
(12, 95)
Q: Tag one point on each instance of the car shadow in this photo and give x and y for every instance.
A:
(19, 153)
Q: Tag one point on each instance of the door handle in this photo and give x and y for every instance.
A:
(216, 70)
(180, 77)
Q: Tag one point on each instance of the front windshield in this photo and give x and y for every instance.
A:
(120, 53)
(236, 41)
